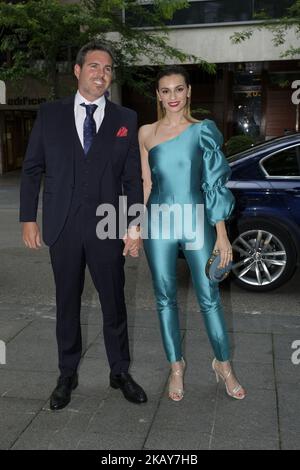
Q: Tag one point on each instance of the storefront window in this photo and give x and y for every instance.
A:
(247, 105)
(282, 80)
(217, 11)
(17, 128)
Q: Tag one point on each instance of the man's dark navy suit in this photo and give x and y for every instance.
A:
(75, 185)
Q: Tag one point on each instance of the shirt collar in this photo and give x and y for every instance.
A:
(100, 102)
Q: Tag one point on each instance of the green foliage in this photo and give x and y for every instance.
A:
(37, 35)
(238, 143)
(279, 28)
(200, 113)
(166, 7)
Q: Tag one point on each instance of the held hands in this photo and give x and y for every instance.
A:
(225, 249)
(32, 235)
(132, 240)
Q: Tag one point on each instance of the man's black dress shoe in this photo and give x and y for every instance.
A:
(61, 395)
(131, 390)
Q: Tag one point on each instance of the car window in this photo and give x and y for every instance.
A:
(284, 163)
(259, 147)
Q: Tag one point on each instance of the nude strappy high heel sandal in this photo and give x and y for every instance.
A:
(238, 392)
(175, 393)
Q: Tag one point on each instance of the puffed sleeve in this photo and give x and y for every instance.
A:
(219, 200)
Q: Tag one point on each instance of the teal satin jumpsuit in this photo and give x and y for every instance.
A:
(187, 171)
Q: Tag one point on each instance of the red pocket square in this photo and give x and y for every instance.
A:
(122, 132)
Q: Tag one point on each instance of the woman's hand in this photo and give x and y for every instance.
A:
(224, 247)
(132, 242)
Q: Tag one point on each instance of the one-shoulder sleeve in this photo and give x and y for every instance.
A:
(219, 200)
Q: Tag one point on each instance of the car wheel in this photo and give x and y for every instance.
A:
(264, 256)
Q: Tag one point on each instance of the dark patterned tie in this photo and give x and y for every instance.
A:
(89, 126)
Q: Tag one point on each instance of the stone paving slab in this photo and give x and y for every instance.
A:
(247, 419)
(168, 438)
(16, 414)
(287, 372)
(289, 415)
(10, 329)
(27, 384)
(231, 443)
(61, 430)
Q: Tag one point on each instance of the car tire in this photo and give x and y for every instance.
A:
(280, 241)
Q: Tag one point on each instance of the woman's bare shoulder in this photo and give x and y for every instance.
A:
(146, 134)
(147, 129)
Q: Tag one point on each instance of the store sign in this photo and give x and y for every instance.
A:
(2, 92)
(252, 94)
(252, 91)
(25, 101)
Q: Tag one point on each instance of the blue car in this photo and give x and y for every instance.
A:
(265, 226)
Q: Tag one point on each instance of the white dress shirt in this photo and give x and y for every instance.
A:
(80, 113)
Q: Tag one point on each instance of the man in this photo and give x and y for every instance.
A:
(87, 147)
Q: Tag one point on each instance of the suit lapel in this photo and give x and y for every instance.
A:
(68, 126)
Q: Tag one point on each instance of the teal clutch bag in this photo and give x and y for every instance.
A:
(213, 272)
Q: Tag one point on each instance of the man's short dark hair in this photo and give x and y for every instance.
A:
(93, 46)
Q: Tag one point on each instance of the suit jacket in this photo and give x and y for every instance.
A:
(51, 151)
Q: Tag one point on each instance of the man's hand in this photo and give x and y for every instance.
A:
(31, 235)
(132, 242)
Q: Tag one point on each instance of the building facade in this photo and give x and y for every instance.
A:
(249, 94)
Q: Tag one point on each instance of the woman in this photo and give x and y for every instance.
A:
(182, 164)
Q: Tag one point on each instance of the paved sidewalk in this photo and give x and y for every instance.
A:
(262, 330)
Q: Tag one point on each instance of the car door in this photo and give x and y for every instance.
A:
(282, 170)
